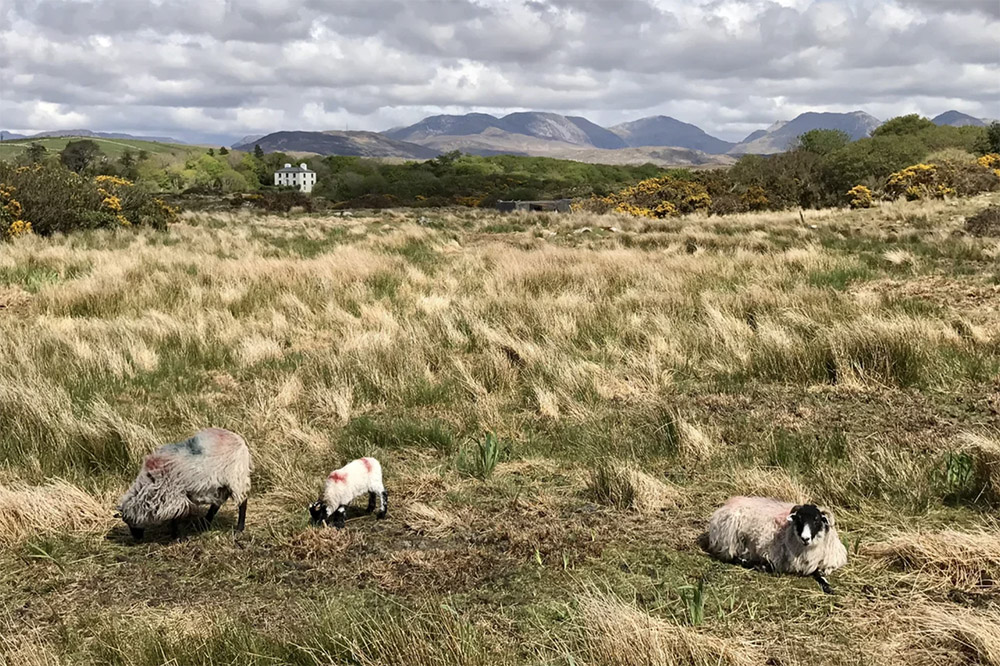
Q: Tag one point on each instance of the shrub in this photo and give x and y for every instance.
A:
(754, 198)
(861, 197)
(56, 200)
(913, 182)
(11, 224)
(984, 223)
(665, 196)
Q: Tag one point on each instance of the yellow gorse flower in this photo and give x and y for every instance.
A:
(114, 181)
(861, 197)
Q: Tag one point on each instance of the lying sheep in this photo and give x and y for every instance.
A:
(783, 537)
(363, 475)
(207, 468)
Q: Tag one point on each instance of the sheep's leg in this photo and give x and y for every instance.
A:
(210, 516)
(137, 532)
(383, 504)
(241, 522)
(338, 517)
(175, 528)
(371, 502)
(823, 582)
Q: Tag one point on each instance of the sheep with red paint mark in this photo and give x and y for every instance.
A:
(783, 537)
(357, 477)
(209, 467)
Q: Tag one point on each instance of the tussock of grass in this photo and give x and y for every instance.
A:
(627, 488)
(56, 507)
(985, 453)
(619, 634)
(965, 559)
(435, 636)
(769, 482)
(427, 519)
(948, 636)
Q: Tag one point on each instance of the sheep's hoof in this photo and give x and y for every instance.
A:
(380, 516)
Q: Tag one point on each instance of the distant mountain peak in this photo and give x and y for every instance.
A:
(958, 119)
(666, 131)
(782, 135)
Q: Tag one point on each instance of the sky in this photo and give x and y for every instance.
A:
(216, 70)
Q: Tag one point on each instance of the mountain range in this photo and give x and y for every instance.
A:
(658, 139)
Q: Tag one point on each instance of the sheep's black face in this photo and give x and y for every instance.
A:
(809, 523)
(317, 511)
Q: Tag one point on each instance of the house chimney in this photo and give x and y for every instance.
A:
(303, 165)
(288, 166)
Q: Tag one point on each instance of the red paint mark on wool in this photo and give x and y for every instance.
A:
(367, 463)
(153, 463)
(338, 477)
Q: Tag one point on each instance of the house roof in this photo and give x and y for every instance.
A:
(294, 170)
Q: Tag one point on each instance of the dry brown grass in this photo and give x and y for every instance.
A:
(625, 487)
(966, 559)
(686, 358)
(939, 635)
(619, 634)
(56, 507)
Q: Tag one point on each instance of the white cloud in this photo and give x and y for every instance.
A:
(207, 68)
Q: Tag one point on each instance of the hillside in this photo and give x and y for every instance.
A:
(89, 134)
(782, 135)
(667, 131)
(359, 144)
(111, 147)
(957, 119)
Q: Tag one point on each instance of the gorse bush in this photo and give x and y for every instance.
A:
(654, 197)
(11, 224)
(861, 197)
(51, 199)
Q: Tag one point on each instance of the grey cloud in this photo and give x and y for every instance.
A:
(246, 66)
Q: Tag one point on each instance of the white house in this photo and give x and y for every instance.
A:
(296, 176)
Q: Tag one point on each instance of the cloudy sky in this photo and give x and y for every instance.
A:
(220, 69)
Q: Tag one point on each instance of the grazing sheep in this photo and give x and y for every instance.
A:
(781, 536)
(207, 468)
(363, 475)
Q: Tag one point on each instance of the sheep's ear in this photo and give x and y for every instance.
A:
(827, 517)
(795, 510)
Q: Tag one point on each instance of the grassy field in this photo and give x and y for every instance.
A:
(635, 373)
(113, 148)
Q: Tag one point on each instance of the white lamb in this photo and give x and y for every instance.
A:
(780, 536)
(207, 468)
(357, 477)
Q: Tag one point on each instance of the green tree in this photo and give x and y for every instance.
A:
(223, 150)
(143, 155)
(127, 160)
(36, 152)
(911, 124)
(211, 152)
(823, 141)
(990, 141)
(258, 152)
(78, 155)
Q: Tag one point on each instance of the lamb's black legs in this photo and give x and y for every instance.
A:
(137, 532)
(241, 523)
(371, 502)
(384, 508)
(338, 517)
(823, 583)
